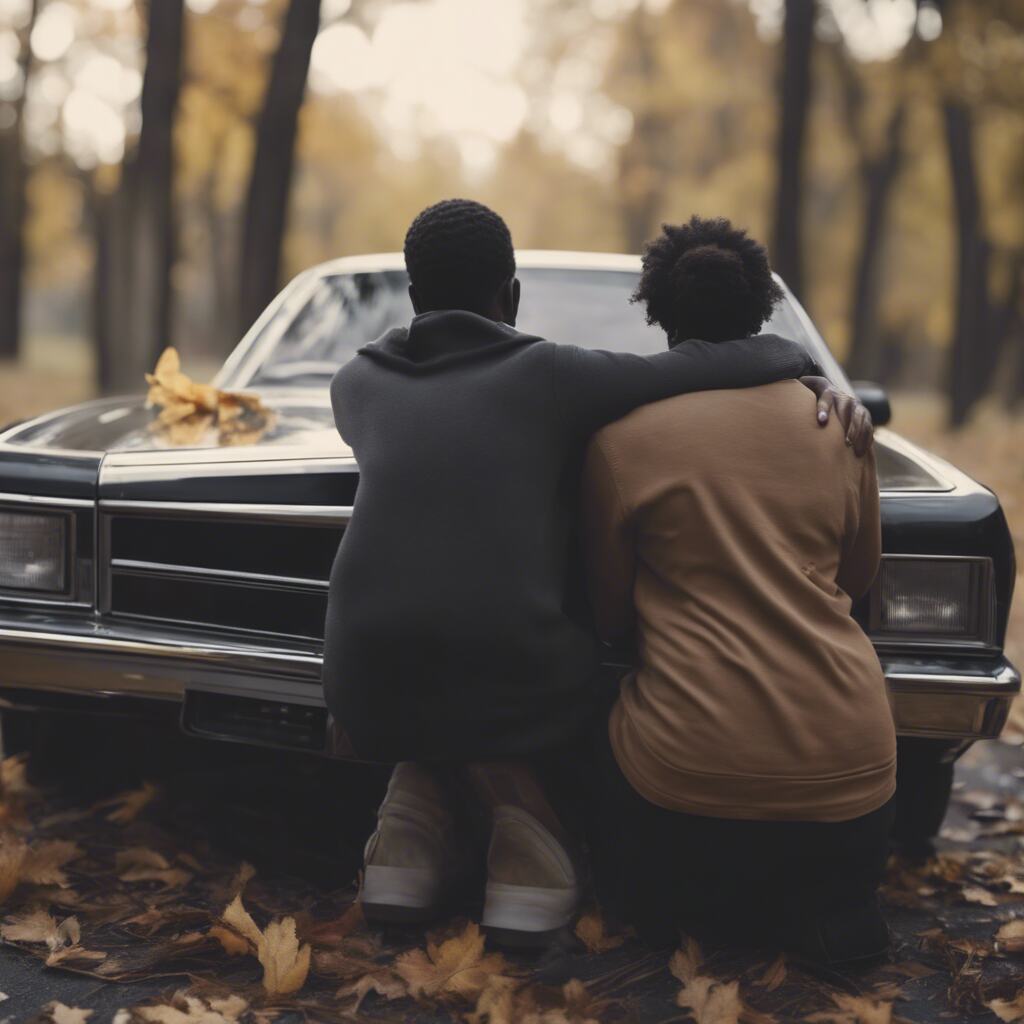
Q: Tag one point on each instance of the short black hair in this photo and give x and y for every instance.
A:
(706, 279)
(458, 254)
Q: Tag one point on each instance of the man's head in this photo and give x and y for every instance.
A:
(706, 279)
(459, 256)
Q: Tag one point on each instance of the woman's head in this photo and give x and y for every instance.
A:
(706, 279)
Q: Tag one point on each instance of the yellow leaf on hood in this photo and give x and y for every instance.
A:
(285, 962)
(686, 962)
(456, 968)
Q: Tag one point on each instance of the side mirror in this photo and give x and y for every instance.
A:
(874, 398)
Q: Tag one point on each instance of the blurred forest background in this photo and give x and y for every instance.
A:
(166, 166)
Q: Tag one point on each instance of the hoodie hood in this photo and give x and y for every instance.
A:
(441, 339)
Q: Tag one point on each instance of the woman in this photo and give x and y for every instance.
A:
(747, 767)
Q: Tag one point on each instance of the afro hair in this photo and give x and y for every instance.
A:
(458, 254)
(706, 279)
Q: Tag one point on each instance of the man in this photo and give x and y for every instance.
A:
(451, 636)
(746, 771)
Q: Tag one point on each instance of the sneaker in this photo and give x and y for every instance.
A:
(410, 865)
(532, 889)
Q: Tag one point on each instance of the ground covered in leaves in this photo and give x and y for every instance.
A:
(149, 878)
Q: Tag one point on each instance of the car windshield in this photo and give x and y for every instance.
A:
(330, 318)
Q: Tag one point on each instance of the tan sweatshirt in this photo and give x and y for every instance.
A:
(730, 534)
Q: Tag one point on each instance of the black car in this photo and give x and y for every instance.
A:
(137, 573)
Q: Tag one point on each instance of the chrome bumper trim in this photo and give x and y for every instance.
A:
(972, 704)
(965, 701)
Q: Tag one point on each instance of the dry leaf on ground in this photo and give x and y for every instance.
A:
(61, 1014)
(39, 926)
(336, 930)
(45, 861)
(457, 968)
(775, 975)
(854, 1010)
(381, 980)
(1010, 938)
(14, 777)
(707, 1000)
(128, 804)
(975, 894)
(12, 856)
(592, 932)
(140, 864)
(285, 963)
(1009, 1010)
(186, 1009)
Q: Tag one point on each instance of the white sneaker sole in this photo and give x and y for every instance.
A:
(400, 894)
(528, 909)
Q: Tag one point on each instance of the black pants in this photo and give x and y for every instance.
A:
(805, 885)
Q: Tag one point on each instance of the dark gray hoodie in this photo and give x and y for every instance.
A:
(451, 630)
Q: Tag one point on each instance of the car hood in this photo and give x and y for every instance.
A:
(304, 424)
(302, 419)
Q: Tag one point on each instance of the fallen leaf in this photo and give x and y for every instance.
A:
(39, 926)
(457, 968)
(187, 1009)
(14, 777)
(851, 1009)
(710, 1001)
(382, 980)
(140, 864)
(775, 975)
(12, 856)
(686, 962)
(232, 943)
(337, 929)
(975, 894)
(45, 861)
(128, 804)
(1009, 1010)
(189, 409)
(1010, 938)
(61, 1014)
(285, 963)
(591, 931)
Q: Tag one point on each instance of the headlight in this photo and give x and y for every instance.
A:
(933, 598)
(33, 550)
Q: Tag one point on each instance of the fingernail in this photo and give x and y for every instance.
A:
(849, 443)
(823, 417)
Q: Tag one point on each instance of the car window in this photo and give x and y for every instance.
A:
(591, 308)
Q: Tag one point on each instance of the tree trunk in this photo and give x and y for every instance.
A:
(136, 245)
(266, 206)
(13, 177)
(878, 176)
(794, 102)
(972, 351)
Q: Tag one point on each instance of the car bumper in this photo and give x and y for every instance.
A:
(942, 698)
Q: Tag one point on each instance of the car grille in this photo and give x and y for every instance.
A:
(264, 577)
